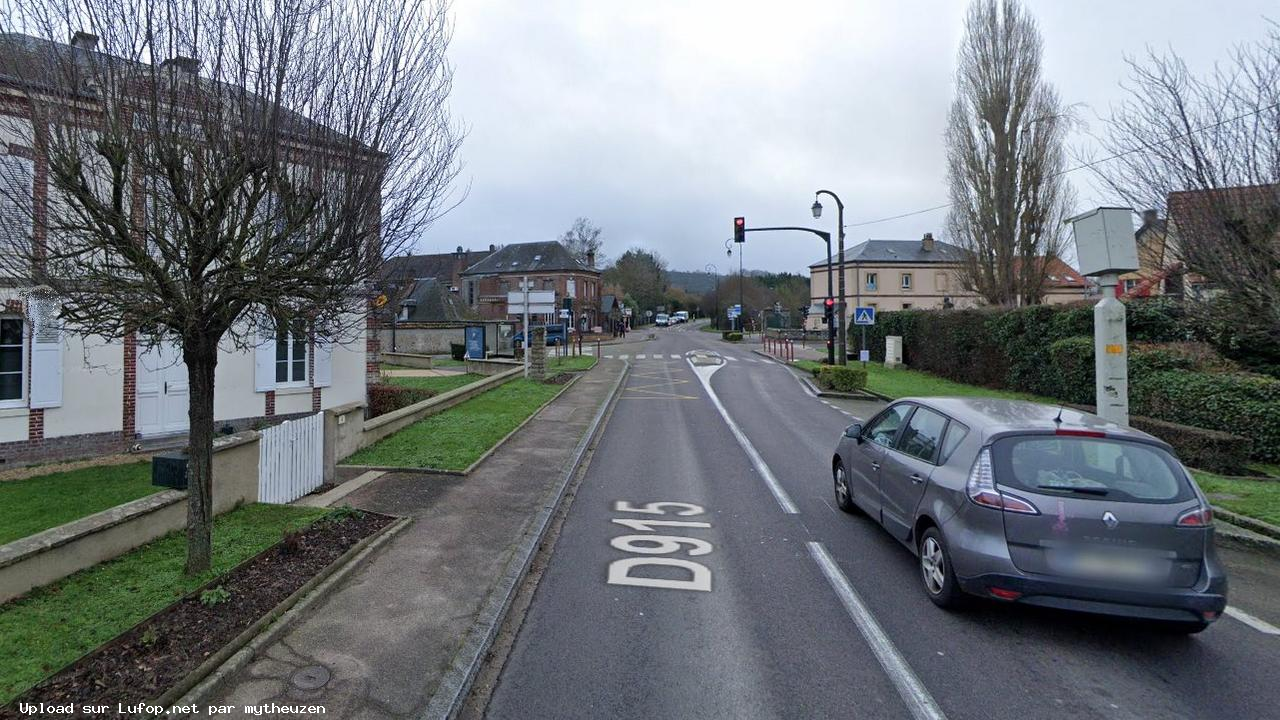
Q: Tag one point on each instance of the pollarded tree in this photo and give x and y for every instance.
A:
(218, 170)
(1005, 157)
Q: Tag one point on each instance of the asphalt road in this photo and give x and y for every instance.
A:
(795, 609)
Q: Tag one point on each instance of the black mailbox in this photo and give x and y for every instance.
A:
(169, 470)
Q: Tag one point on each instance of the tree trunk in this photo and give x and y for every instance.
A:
(201, 357)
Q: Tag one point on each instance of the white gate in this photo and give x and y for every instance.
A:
(291, 459)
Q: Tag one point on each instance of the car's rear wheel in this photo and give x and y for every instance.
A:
(935, 571)
(844, 495)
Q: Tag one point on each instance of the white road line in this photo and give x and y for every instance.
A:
(1258, 624)
(704, 373)
(913, 692)
(623, 357)
(610, 357)
(675, 357)
(730, 357)
(639, 357)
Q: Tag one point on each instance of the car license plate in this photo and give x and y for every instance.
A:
(1109, 565)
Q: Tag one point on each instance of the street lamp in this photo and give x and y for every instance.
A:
(841, 336)
(714, 271)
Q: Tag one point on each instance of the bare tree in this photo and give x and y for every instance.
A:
(1206, 150)
(1005, 157)
(209, 173)
(584, 242)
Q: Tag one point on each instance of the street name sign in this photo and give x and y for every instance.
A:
(541, 302)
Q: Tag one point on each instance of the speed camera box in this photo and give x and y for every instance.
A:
(1105, 242)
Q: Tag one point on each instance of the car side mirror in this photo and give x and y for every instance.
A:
(854, 431)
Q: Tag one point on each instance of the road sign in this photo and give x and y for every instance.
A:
(864, 316)
(541, 302)
(566, 313)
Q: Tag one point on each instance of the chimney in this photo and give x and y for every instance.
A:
(492, 247)
(1150, 216)
(84, 41)
(459, 252)
(591, 258)
(188, 65)
(926, 243)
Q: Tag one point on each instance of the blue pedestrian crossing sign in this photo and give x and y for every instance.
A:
(864, 316)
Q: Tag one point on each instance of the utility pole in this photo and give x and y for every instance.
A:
(826, 238)
(528, 335)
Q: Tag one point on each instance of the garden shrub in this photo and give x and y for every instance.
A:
(1211, 450)
(842, 378)
(731, 336)
(1072, 370)
(385, 398)
(1231, 402)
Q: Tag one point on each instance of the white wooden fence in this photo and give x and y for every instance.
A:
(291, 459)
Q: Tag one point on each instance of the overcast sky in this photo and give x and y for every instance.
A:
(663, 119)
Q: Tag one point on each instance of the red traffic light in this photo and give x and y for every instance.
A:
(739, 229)
(739, 222)
(830, 302)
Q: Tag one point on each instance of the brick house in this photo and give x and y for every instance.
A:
(549, 266)
(63, 394)
(428, 288)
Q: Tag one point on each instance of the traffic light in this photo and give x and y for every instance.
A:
(739, 229)
(828, 310)
(804, 312)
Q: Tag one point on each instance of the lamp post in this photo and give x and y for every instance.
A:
(841, 336)
(714, 271)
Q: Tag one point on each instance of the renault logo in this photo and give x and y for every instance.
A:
(1110, 520)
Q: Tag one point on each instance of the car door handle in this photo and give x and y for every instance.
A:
(875, 466)
(915, 478)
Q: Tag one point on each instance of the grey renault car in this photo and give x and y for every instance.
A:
(1036, 504)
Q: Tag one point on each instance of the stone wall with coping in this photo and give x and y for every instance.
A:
(51, 555)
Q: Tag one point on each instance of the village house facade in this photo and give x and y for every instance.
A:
(915, 274)
(63, 394)
(548, 266)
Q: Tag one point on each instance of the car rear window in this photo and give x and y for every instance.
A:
(1090, 467)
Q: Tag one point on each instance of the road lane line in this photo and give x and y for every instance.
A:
(919, 702)
(730, 357)
(676, 357)
(1258, 624)
(623, 357)
(704, 373)
(640, 357)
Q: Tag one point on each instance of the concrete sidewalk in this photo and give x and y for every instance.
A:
(380, 643)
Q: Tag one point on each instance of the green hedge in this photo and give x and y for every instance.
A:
(731, 336)
(1176, 374)
(1210, 450)
(841, 378)
(1247, 405)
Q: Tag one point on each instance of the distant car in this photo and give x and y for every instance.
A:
(555, 335)
(662, 320)
(1036, 504)
(681, 317)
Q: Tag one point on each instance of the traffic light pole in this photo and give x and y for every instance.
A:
(842, 334)
(826, 237)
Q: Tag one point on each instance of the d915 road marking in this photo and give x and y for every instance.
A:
(620, 570)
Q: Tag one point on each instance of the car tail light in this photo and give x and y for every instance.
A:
(1197, 517)
(1081, 433)
(982, 489)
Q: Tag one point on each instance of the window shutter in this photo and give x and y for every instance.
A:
(46, 354)
(264, 362)
(324, 364)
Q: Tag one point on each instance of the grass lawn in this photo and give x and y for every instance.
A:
(572, 363)
(39, 503)
(900, 382)
(1256, 498)
(444, 361)
(52, 626)
(457, 437)
(440, 384)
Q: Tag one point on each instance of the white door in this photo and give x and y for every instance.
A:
(163, 392)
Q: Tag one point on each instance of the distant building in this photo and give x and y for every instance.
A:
(548, 266)
(428, 288)
(919, 274)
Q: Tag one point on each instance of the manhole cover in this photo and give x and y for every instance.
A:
(312, 677)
